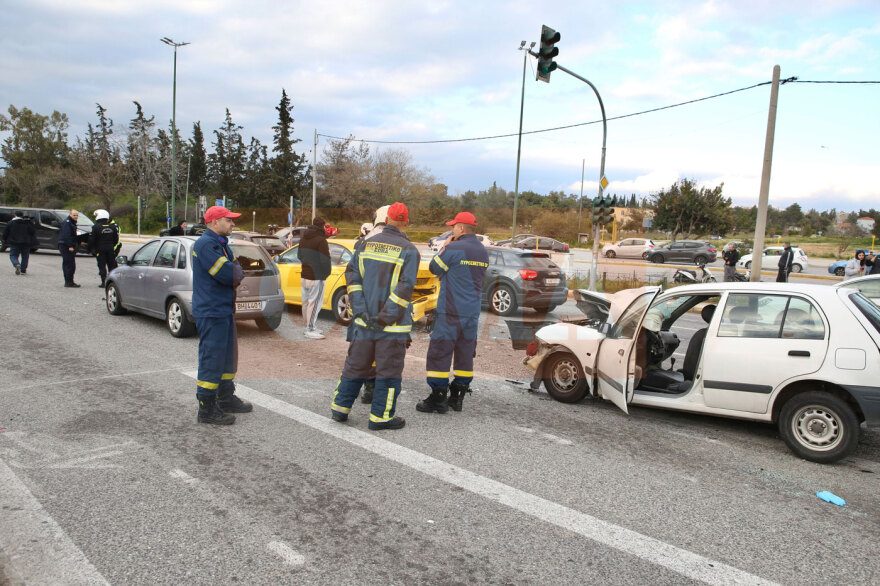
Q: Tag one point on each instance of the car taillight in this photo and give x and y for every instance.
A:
(532, 348)
(650, 246)
(528, 274)
(566, 246)
(713, 250)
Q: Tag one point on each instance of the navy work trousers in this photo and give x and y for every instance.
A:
(68, 263)
(218, 353)
(454, 340)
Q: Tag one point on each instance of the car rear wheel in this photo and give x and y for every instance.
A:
(796, 268)
(564, 378)
(819, 427)
(114, 301)
(657, 258)
(748, 265)
(268, 323)
(700, 260)
(503, 301)
(610, 254)
(342, 307)
(839, 271)
(177, 321)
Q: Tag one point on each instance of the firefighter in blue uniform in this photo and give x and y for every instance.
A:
(216, 274)
(380, 278)
(461, 265)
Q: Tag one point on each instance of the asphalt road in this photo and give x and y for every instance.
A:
(106, 478)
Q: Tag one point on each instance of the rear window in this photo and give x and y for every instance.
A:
(266, 241)
(538, 261)
(870, 311)
(252, 259)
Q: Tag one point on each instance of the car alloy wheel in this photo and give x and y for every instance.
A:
(503, 301)
(610, 254)
(113, 303)
(796, 268)
(342, 307)
(176, 320)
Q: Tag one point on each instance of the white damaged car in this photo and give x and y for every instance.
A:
(805, 357)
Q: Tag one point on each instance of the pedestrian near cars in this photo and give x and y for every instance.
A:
(857, 266)
(785, 262)
(871, 261)
(381, 277)
(731, 257)
(216, 275)
(104, 243)
(178, 229)
(20, 236)
(67, 241)
(461, 265)
(314, 254)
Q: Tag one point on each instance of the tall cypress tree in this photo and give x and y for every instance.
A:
(289, 169)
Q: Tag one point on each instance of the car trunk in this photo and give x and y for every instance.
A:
(260, 277)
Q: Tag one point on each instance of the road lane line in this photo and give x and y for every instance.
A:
(37, 547)
(647, 548)
(290, 556)
(178, 473)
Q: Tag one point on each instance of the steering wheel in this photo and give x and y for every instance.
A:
(656, 349)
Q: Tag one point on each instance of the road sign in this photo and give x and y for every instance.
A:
(290, 217)
(604, 182)
(218, 202)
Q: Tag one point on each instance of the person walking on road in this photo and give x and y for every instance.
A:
(871, 261)
(67, 241)
(461, 265)
(20, 236)
(857, 266)
(216, 275)
(731, 257)
(381, 277)
(785, 261)
(314, 254)
(104, 244)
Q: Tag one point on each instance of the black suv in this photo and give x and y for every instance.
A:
(522, 278)
(695, 251)
(47, 223)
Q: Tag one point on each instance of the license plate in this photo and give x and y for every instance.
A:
(241, 306)
(551, 281)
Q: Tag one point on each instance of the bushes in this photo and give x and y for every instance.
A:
(558, 225)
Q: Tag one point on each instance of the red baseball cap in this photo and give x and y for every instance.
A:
(217, 212)
(398, 212)
(463, 218)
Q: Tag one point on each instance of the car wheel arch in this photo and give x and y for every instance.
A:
(797, 387)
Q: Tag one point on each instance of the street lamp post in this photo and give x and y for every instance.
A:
(171, 43)
(522, 102)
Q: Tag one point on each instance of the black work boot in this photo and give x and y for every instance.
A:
(456, 395)
(367, 395)
(436, 401)
(210, 412)
(394, 423)
(230, 403)
(103, 283)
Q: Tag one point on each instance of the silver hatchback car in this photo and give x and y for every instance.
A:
(157, 281)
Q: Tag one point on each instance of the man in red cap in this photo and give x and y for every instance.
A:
(216, 274)
(461, 265)
(380, 280)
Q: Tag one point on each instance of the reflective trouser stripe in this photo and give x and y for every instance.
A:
(463, 373)
(206, 385)
(228, 376)
(437, 374)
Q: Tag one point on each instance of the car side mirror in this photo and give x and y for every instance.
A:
(122, 259)
(605, 328)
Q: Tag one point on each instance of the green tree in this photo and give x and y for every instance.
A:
(290, 171)
(198, 162)
(226, 165)
(685, 209)
(36, 156)
(142, 160)
(97, 163)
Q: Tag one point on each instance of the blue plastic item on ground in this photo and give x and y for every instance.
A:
(831, 498)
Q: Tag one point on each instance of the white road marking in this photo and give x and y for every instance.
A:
(37, 547)
(647, 548)
(178, 473)
(290, 556)
(557, 439)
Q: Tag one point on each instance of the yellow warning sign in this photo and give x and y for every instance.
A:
(604, 182)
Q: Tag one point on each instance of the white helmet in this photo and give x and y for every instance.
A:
(365, 228)
(381, 215)
(653, 321)
(102, 215)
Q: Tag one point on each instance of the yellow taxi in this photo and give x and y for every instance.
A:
(424, 299)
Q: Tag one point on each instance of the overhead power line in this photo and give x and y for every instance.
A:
(641, 113)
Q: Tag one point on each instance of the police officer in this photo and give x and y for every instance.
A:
(216, 274)
(381, 277)
(104, 243)
(68, 237)
(461, 265)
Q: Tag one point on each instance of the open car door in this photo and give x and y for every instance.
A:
(615, 363)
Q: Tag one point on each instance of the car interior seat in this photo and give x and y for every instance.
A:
(680, 381)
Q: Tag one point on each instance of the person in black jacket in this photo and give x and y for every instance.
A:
(178, 229)
(20, 236)
(731, 257)
(314, 254)
(785, 261)
(67, 238)
(103, 243)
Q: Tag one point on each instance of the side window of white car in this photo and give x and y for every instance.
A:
(770, 316)
(802, 321)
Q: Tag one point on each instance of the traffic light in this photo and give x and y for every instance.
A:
(547, 52)
(229, 203)
(597, 210)
(608, 211)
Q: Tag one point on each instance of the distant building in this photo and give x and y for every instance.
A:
(866, 224)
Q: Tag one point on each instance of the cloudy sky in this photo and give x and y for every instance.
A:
(400, 71)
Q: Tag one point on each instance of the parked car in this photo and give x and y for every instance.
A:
(157, 281)
(522, 278)
(770, 259)
(695, 251)
(424, 299)
(869, 285)
(541, 243)
(811, 352)
(196, 229)
(838, 267)
(271, 244)
(628, 248)
(436, 242)
(291, 235)
(47, 224)
(515, 239)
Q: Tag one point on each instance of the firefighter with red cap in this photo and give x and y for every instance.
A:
(216, 274)
(461, 265)
(380, 280)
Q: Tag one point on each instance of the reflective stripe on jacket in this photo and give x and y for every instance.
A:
(215, 274)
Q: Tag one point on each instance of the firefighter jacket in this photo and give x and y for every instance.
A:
(381, 277)
(461, 267)
(104, 236)
(216, 274)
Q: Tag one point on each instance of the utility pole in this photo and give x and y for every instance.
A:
(581, 198)
(171, 43)
(314, 174)
(522, 102)
(764, 197)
